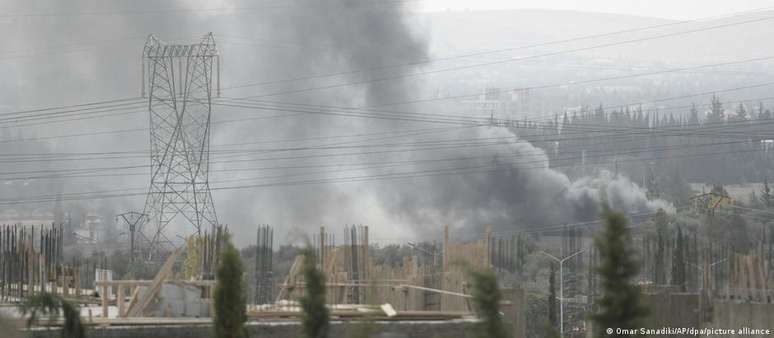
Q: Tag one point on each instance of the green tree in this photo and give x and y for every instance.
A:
(662, 221)
(739, 235)
(486, 298)
(552, 324)
(316, 318)
(552, 296)
(676, 188)
(719, 190)
(716, 114)
(52, 305)
(522, 251)
(620, 305)
(551, 331)
(761, 110)
(693, 118)
(741, 113)
(230, 296)
(678, 261)
(766, 193)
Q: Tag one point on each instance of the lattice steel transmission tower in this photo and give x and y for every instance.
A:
(180, 81)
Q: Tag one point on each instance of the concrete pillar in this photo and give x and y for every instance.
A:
(518, 312)
(120, 300)
(105, 300)
(487, 248)
(445, 267)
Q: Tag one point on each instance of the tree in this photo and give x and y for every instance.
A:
(694, 116)
(739, 235)
(316, 319)
(552, 296)
(766, 193)
(719, 190)
(761, 110)
(678, 261)
(676, 188)
(716, 114)
(486, 298)
(741, 113)
(620, 305)
(230, 296)
(52, 305)
(551, 330)
(661, 221)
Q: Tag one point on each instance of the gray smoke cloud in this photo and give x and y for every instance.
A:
(516, 189)
(302, 38)
(332, 36)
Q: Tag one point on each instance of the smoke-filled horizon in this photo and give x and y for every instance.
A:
(510, 185)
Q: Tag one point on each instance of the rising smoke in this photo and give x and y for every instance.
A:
(514, 189)
(510, 184)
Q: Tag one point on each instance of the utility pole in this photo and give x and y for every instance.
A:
(132, 219)
(561, 284)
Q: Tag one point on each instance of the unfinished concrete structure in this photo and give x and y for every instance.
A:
(32, 262)
(431, 284)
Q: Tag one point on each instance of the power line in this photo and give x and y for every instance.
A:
(619, 106)
(363, 178)
(486, 52)
(82, 106)
(412, 116)
(619, 32)
(106, 106)
(567, 51)
(501, 142)
(582, 130)
(89, 172)
(638, 149)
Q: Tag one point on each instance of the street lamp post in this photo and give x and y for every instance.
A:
(708, 271)
(561, 284)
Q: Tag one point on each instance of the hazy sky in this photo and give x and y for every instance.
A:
(673, 9)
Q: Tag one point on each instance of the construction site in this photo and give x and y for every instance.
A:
(427, 289)
(373, 180)
(426, 292)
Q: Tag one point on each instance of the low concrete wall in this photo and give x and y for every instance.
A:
(684, 310)
(515, 314)
(404, 329)
(731, 315)
(672, 310)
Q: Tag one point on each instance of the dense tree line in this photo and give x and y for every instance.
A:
(720, 144)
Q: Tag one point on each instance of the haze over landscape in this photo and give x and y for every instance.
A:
(265, 44)
(434, 157)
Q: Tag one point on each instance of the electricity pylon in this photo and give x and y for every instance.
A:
(179, 89)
